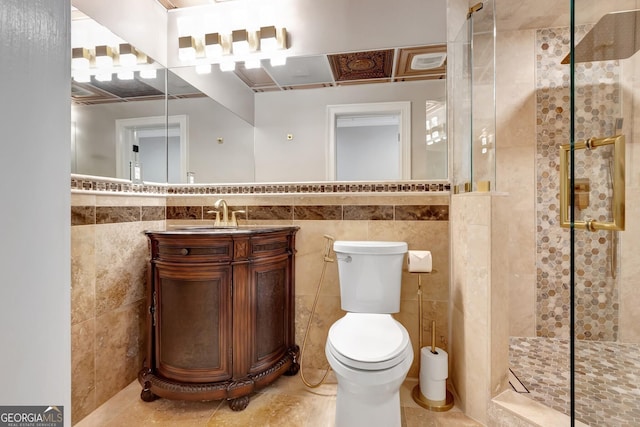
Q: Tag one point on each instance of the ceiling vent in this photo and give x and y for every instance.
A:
(428, 61)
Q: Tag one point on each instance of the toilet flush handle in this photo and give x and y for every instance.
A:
(345, 259)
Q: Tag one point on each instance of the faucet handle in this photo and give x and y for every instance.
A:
(234, 220)
(217, 219)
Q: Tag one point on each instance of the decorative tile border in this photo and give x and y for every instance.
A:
(88, 215)
(101, 185)
(314, 188)
(320, 213)
(94, 184)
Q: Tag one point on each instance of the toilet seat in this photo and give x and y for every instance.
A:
(368, 341)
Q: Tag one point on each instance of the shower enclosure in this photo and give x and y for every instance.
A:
(572, 257)
(584, 360)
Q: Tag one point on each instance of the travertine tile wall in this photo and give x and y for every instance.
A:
(108, 273)
(515, 169)
(479, 300)
(109, 256)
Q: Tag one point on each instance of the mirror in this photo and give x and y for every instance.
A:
(287, 141)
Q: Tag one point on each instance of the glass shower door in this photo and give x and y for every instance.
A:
(600, 198)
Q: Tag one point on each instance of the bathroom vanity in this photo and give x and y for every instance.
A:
(220, 318)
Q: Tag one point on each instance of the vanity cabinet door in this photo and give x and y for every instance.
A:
(270, 285)
(193, 321)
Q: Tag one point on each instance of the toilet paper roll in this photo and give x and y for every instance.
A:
(419, 261)
(434, 370)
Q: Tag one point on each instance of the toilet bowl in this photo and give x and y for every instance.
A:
(370, 355)
(369, 351)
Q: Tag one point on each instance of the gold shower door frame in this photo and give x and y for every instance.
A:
(618, 204)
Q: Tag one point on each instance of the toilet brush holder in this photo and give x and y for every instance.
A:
(431, 392)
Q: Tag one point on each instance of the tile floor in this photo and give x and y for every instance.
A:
(286, 402)
(607, 378)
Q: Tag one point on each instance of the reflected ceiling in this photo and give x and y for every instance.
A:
(138, 89)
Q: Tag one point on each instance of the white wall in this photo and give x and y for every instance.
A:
(35, 361)
(303, 114)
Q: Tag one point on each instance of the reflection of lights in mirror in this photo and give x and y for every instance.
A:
(104, 61)
(486, 141)
(98, 53)
(435, 122)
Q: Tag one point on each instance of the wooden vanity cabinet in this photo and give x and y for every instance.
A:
(220, 318)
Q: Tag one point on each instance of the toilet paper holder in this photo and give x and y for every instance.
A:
(416, 394)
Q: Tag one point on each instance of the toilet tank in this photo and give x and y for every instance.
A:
(370, 274)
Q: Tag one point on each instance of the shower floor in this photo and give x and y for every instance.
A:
(607, 378)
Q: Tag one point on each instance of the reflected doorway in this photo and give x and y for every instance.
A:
(162, 146)
(369, 142)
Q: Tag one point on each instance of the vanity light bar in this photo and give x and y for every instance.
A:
(239, 45)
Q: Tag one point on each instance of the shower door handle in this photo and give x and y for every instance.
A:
(618, 184)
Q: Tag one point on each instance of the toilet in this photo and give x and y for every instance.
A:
(369, 351)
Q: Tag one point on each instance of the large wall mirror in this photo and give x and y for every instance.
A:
(174, 117)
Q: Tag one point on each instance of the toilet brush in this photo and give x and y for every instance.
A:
(431, 392)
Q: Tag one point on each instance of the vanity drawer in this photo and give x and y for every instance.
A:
(193, 251)
(268, 246)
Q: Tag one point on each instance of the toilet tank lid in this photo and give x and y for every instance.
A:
(369, 247)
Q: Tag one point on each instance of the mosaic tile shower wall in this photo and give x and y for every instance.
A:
(598, 105)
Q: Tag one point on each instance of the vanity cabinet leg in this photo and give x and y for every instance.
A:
(239, 403)
(146, 394)
(295, 366)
